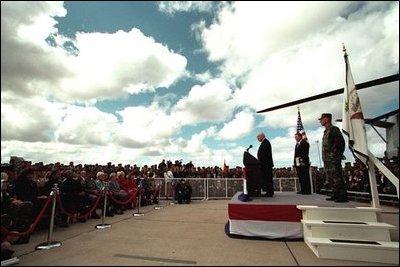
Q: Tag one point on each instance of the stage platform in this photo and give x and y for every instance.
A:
(276, 217)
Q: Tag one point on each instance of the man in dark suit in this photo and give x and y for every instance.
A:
(264, 156)
(302, 164)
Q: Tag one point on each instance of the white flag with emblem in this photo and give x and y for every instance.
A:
(353, 124)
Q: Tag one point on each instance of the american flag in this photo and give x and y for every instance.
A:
(300, 127)
(225, 170)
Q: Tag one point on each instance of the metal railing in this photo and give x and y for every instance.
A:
(366, 197)
(225, 188)
(219, 188)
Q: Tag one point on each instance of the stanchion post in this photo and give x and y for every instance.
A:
(104, 225)
(51, 244)
(159, 193)
(173, 193)
(138, 213)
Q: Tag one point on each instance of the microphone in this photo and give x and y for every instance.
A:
(250, 146)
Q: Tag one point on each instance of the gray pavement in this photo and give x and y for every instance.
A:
(175, 235)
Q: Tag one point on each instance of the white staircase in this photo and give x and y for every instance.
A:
(349, 234)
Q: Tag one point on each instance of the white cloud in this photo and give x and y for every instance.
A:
(210, 102)
(204, 77)
(86, 125)
(247, 33)
(28, 119)
(172, 7)
(143, 126)
(28, 65)
(278, 55)
(107, 65)
(240, 126)
(195, 144)
(84, 154)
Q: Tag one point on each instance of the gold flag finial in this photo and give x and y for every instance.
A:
(298, 108)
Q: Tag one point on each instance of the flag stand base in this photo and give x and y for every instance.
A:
(48, 245)
(103, 226)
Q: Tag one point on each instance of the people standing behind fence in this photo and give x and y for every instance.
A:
(177, 170)
(162, 166)
(384, 184)
(183, 192)
(169, 176)
(302, 164)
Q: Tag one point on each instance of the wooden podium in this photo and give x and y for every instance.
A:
(252, 174)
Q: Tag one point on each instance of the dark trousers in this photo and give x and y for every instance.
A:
(303, 172)
(267, 183)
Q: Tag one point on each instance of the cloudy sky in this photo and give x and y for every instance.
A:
(138, 82)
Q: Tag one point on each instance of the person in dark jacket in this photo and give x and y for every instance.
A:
(302, 164)
(264, 156)
(183, 192)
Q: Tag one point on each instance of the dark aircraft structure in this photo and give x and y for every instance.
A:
(389, 121)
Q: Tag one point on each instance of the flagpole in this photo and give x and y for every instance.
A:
(319, 154)
(353, 127)
(372, 183)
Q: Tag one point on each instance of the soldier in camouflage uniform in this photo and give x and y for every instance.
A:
(333, 146)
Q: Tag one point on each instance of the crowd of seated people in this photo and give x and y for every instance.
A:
(28, 185)
(357, 177)
(24, 194)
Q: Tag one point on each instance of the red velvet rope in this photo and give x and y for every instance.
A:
(31, 227)
(69, 214)
(130, 199)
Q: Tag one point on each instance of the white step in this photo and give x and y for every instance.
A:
(347, 229)
(381, 252)
(362, 214)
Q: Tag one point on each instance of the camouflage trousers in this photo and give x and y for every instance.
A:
(334, 178)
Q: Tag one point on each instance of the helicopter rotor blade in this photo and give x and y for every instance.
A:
(387, 79)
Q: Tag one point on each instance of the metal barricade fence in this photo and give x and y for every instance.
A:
(217, 188)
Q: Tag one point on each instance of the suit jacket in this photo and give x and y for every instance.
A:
(301, 150)
(264, 153)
